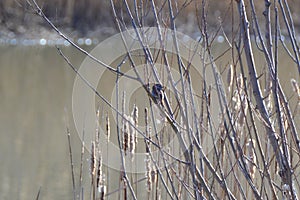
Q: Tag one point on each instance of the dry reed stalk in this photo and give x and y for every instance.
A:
(131, 143)
(81, 163)
(107, 143)
(180, 176)
(38, 194)
(243, 102)
(147, 131)
(97, 135)
(71, 157)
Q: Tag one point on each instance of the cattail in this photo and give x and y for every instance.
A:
(102, 192)
(99, 171)
(240, 82)
(132, 139)
(252, 158)
(107, 127)
(93, 168)
(221, 142)
(242, 112)
(125, 130)
(148, 173)
(135, 116)
(268, 92)
(100, 179)
(97, 136)
(124, 181)
(93, 160)
(125, 135)
(154, 175)
(230, 76)
(296, 88)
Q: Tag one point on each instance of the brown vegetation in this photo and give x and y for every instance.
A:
(242, 143)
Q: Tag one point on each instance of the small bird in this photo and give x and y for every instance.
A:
(160, 98)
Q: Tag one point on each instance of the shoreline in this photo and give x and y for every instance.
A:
(41, 35)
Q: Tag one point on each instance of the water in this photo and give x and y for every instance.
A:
(36, 89)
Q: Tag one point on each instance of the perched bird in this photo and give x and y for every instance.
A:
(160, 98)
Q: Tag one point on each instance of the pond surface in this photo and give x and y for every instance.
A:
(36, 96)
(35, 87)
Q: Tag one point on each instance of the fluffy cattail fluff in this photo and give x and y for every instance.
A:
(240, 105)
(97, 127)
(126, 133)
(268, 92)
(242, 112)
(148, 172)
(240, 82)
(135, 116)
(102, 192)
(284, 120)
(132, 134)
(107, 127)
(230, 76)
(251, 162)
(100, 179)
(93, 160)
(296, 88)
(99, 171)
(235, 97)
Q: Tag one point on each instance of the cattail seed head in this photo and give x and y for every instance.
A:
(125, 131)
(148, 173)
(296, 88)
(250, 145)
(93, 160)
(135, 116)
(107, 127)
(230, 76)
(132, 133)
